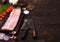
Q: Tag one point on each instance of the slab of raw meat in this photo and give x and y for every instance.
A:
(12, 20)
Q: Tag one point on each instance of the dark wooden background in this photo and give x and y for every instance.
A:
(46, 16)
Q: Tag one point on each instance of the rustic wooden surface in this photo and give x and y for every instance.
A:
(47, 20)
(46, 16)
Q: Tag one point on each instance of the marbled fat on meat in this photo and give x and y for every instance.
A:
(12, 20)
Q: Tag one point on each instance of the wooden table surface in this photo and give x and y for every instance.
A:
(46, 16)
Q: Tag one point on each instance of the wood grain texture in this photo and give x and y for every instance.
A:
(46, 16)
